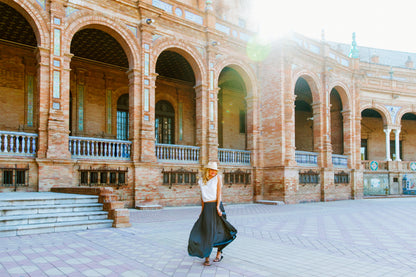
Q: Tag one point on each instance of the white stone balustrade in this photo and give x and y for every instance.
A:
(96, 148)
(18, 143)
(306, 158)
(339, 160)
(234, 157)
(177, 153)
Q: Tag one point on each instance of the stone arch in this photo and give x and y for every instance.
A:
(343, 92)
(187, 51)
(115, 28)
(313, 82)
(401, 113)
(120, 91)
(36, 17)
(243, 69)
(385, 115)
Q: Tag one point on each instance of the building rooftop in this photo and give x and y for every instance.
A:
(385, 57)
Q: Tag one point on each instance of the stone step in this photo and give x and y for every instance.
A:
(34, 199)
(51, 218)
(35, 213)
(270, 202)
(41, 209)
(9, 231)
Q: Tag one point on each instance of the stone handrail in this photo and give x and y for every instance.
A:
(97, 148)
(177, 153)
(234, 157)
(18, 143)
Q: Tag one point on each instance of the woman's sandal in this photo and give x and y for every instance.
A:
(207, 263)
(218, 259)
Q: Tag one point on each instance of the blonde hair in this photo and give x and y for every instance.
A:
(205, 175)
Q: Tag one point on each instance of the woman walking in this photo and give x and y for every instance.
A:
(212, 228)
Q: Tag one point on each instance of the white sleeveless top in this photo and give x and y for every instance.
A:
(209, 190)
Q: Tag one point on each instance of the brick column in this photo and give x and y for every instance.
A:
(212, 147)
(318, 133)
(134, 76)
(348, 136)
(54, 159)
(43, 76)
(202, 122)
(253, 125)
(144, 94)
(289, 125)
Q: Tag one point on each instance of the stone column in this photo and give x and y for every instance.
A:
(397, 144)
(387, 131)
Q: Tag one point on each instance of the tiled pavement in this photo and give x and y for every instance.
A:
(374, 237)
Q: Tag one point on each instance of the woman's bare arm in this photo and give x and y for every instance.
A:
(219, 193)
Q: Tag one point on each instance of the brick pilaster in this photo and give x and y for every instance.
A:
(202, 122)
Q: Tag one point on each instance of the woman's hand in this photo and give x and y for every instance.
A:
(219, 211)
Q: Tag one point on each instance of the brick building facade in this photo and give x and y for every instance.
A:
(139, 95)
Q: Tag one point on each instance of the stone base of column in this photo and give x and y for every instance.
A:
(54, 173)
(328, 190)
(357, 184)
(280, 184)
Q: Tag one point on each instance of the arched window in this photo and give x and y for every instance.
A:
(123, 117)
(165, 123)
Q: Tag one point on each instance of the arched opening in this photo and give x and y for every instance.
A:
(232, 110)
(164, 122)
(98, 72)
(175, 118)
(337, 124)
(123, 117)
(19, 98)
(372, 135)
(408, 131)
(303, 117)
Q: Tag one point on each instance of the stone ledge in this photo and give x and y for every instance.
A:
(270, 202)
(149, 207)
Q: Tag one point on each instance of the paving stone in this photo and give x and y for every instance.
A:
(314, 239)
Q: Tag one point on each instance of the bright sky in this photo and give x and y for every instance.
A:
(382, 24)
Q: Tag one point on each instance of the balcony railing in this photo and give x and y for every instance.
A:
(177, 153)
(96, 148)
(234, 157)
(18, 143)
(339, 160)
(306, 158)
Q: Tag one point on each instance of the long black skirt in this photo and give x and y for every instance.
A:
(210, 230)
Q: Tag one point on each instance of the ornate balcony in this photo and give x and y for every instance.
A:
(177, 153)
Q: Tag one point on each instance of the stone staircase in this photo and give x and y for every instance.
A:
(25, 213)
